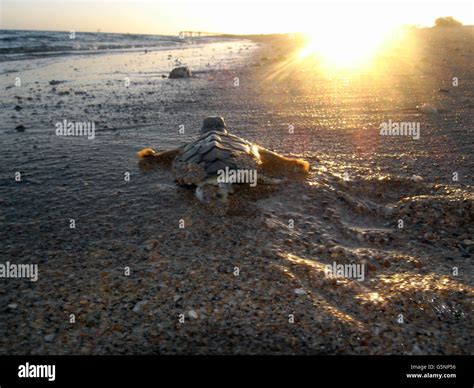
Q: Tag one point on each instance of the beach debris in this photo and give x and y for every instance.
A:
(427, 109)
(218, 159)
(20, 128)
(180, 72)
(56, 82)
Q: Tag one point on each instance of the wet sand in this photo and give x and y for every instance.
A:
(246, 283)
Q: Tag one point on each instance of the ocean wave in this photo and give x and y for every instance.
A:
(16, 44)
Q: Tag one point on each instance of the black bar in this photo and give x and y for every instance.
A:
(306, 371)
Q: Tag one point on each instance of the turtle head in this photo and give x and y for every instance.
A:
(213, 123)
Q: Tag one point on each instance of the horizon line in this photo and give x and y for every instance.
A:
(216, 33)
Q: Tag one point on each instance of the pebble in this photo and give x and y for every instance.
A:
(271, 223)
(49, 337)
(427, 109)
(300, 291)
(193, 314)
(150, 245)
(138, 306)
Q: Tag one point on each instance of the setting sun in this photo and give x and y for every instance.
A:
(350, 47)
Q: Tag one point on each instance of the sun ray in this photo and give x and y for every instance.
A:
(351, 47)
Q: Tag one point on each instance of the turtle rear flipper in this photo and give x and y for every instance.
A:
(209, 190)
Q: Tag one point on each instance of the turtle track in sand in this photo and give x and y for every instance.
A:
(408, 270)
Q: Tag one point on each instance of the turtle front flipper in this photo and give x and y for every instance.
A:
(149, 157)
(275, 163)
(162, 156)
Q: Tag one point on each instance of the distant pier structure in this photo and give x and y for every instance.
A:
(196, 34)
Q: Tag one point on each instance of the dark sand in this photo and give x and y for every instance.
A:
(347, 211)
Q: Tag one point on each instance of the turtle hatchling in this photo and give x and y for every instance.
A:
(217, 160)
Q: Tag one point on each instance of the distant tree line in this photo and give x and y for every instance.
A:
(447, 21)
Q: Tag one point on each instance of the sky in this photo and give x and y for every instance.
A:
(243, 17)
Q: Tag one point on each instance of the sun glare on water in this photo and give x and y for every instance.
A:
(349, 45)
